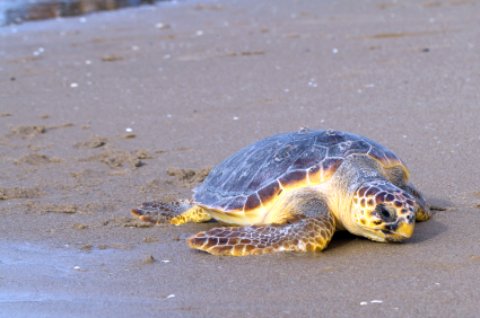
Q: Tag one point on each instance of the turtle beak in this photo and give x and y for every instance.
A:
(405, 230)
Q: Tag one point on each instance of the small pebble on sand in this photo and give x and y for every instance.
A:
(149, 260)
(161, 25)
(38, 51)
(312, 83)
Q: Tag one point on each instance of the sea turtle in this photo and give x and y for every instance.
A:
(291, 191)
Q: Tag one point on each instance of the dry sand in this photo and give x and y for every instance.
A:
(96, 115)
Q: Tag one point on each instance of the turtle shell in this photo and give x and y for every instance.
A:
(257, 174)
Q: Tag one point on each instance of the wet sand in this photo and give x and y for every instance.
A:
(101, 113)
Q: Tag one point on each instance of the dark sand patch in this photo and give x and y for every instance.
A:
(92, 143)
(208, 7)
(149, 260)
(66, 125)
(187, 177)
(112, 58)
(19, 193)
(36, 159)
(60, 208)
(87, 247)
(87, 174)
(87, 178)
(31, 131)
(80, 226)
(124, 221)
(157, 186)
(28, 131)
(150, 239)
(477, 197)
(129, 136)
(68, 208)
(119, 158)
(397, 35)
(90, 247)
(245, 53)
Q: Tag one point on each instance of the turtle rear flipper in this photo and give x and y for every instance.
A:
(305, 234)
(195, 214)
(175, 212)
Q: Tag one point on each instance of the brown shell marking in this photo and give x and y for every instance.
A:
(293, 180)
(255, 205)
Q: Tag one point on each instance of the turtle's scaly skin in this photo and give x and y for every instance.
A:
(291, 191)
(308, 235)
(367, 198)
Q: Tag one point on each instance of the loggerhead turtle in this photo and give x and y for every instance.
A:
(291, 191)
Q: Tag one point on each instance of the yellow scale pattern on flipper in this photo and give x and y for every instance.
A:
(306, 234)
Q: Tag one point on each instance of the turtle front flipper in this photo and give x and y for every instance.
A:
(305, 234)
(424, 212)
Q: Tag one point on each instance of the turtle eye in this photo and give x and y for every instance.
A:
(385, 214)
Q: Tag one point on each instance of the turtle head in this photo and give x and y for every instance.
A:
(383, 212)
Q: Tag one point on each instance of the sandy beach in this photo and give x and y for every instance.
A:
(101, 113)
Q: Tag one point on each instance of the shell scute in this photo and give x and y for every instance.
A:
(253, 201)
(349, 147)
(236, 203)
(328, 137)
(293, 177)
(309, 158)
(377, 153)
(270, 191)
(330, 164)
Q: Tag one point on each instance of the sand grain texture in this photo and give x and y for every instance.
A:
(193, 82)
